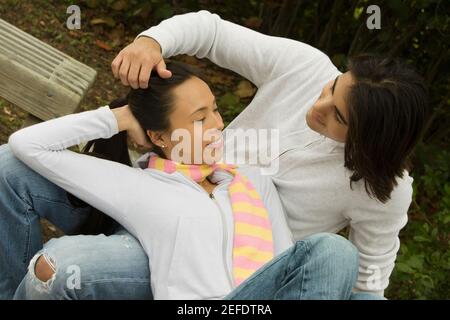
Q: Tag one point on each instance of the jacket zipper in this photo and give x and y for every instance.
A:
(225, 233)
(225, 239)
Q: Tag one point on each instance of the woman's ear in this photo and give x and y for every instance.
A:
(155, 137)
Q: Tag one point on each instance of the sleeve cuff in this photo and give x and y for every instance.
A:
(111, 121)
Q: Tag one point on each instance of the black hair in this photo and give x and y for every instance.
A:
(387, 114)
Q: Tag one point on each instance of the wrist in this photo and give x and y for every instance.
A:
(149, 41)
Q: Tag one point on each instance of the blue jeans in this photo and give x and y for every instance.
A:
(323, 266)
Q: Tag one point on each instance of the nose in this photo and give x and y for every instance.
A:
(219, 122)
(325, 100)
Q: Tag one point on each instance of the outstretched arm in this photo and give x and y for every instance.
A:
(257, 57)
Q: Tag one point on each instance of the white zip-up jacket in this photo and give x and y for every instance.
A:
(186, 233)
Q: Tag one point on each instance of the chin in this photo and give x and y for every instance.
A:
(213, 156)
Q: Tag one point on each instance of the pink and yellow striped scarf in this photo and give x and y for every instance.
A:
(253, 243)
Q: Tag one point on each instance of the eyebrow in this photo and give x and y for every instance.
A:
(203, 108)
(334, 84)
(335, 108)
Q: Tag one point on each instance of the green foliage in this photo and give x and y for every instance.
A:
(230, 106)
(423, 264)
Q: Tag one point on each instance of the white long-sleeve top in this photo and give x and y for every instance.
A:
(312, 181)
(187, 235)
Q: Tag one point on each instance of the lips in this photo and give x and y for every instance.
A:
(216, 144)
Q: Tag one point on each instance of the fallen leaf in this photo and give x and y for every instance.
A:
(103, 45)
(108, 21)
(7, 111)
(74, 33)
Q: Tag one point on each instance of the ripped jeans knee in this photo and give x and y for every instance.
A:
(44, 280)
(42, 267)
(39, 281)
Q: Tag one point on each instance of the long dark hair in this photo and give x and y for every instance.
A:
(152, 108)
(387, 114)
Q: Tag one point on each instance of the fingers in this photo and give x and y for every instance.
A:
(133, 65)
(123, 71)
(162, 70)
(140, 142)
(115, 65)
(133, 74)
(144, 75)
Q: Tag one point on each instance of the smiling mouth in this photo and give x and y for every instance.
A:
(216, 144)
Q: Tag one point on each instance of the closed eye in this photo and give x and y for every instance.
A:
(339, 117)
(336, 116)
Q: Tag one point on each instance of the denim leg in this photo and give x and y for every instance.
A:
(365, 296)
(322, 266)
(90, 267)
(25, 197)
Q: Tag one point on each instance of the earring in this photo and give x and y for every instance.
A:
(163, 146)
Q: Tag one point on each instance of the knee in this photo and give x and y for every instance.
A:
(44, 268)
(44, 279)
(335, 247)
(39, 282)
(7, 158)
(11, 166)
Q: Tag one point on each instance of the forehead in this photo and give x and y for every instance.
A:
(192, 94)
(346, 79)
(341, 89)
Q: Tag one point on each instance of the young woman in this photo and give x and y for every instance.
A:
(207, 228)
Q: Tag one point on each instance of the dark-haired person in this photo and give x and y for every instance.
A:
(210, 230)
(345, 138)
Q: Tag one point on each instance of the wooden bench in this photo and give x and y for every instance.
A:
(38, 78)
(41, 80)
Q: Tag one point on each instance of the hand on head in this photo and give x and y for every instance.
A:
(135, 62)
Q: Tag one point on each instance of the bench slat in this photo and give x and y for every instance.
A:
(39, 78)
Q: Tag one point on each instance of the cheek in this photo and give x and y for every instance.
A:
(338, 132)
